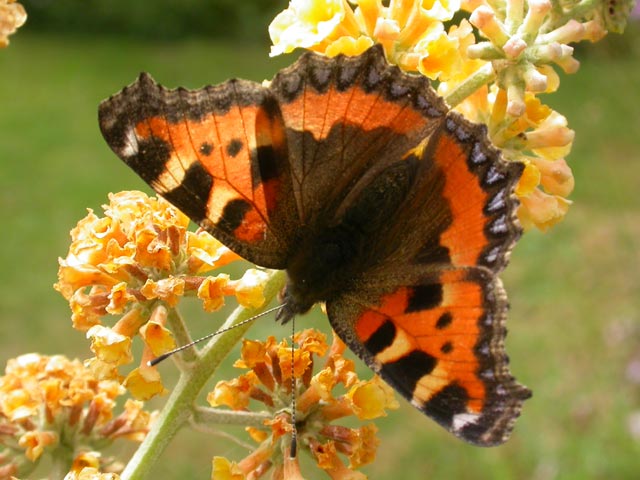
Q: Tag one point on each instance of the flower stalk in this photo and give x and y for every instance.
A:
(481, 77)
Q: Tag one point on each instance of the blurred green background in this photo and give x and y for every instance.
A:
(575, 291)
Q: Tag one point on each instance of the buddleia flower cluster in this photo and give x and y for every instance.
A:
(134, 265)
(336, 449)
(125, 275)
(492, 64)
(54, 407)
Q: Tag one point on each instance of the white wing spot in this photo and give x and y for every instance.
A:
(493, 176)
(499, 225)
(130, 147)
(492, 256)
(497, 202)
(461, 420)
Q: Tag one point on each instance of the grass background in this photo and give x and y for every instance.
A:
(575, 292)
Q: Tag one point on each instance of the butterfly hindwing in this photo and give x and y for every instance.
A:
(218, 153)
(438, 338)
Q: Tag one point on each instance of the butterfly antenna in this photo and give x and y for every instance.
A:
(294, 432)
(164, 356)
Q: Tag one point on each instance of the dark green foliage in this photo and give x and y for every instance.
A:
(160, 19)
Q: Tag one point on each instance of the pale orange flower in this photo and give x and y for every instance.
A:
(348, 46)
(223, 469)
(144, 383)
(86, 466)
(310, 24)
(91, 473)
(269, 382)
(212, 292)
(249, 289)
(370, 399)
(35, 442)
(157, 337)
(110, 346)
(47, 400)
(235, 393)
(167, 289)
(542, 210)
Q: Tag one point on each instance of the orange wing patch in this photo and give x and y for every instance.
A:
(223, 145)
(437, 322)
(465, 237)
(317, 112)
(347, 119)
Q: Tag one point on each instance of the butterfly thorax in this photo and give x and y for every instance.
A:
(319, 269)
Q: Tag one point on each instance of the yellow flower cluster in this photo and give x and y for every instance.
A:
(270, 365)
(138, 261)
(52, 404)
(494, 81)
(334, 26)
(524, 40)
(12, 17)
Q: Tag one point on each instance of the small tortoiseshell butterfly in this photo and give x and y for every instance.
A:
(376, 199)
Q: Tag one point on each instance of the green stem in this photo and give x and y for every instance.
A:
(479, 78)
(181, 334)
(180, 405)
(216, 416)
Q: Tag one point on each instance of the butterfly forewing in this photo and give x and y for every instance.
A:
(218, 153)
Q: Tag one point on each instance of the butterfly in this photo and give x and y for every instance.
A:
(376, 199)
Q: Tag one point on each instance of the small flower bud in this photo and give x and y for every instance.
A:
(535, 81)
(514, 47)
(485, 20)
